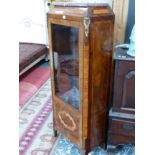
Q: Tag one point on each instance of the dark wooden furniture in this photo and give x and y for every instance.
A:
(81, 44)
(30, 54)
(122, 112)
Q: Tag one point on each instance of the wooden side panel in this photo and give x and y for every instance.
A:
(100, 75)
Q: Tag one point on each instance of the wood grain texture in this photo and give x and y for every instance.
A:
(124, 87)
(120, 8)
(121, 131)
(100, 67)
(75, 136)
(61, 107)
(77, 13)
(86, 86)
(121, 128)
(86, 126)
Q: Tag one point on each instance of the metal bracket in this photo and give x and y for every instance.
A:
(86, 23)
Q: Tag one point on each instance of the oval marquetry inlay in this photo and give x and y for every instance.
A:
(67, 120)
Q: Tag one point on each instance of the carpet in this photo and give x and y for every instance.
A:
(64, 147)
(36, 129)
(36, 121)
(36, 125)
(32, 80)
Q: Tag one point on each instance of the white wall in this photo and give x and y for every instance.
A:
(32, 21)
(95, 1)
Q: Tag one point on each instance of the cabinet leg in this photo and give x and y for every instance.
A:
(86, 151)
(55, 133)
(103, 146)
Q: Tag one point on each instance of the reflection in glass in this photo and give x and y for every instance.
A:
(66, 63)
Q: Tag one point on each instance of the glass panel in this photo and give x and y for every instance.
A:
(65, 45)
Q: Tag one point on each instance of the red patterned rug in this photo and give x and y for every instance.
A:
(35, 112)
(36, 123)
(30, 82)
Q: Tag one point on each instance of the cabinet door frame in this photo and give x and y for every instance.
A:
(79, 111)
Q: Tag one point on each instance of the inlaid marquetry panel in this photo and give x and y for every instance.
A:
(67, 120)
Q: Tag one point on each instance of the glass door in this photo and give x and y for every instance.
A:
(65, 47)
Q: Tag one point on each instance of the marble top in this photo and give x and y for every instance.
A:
(73, 4)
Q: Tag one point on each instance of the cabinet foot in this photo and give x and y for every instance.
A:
(55, 133)
(86, 152)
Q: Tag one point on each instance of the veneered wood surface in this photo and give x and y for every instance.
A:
(95, 62)
(100, 75)
(121, 131)
(124, 87)
(121, 128)
(58, 105)
(77, 13)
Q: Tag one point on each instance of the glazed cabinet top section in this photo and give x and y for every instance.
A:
(76, 11)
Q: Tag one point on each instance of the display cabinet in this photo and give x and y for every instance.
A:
(81, 44)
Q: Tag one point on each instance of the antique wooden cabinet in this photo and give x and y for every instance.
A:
(81, 43)
(122, 111)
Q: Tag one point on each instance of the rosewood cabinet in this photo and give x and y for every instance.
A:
(122, 112)
(81, 44)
